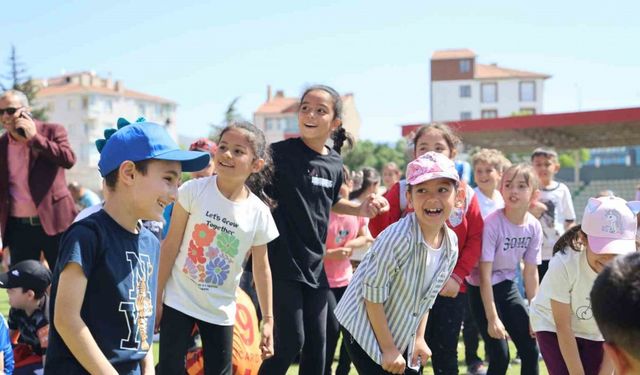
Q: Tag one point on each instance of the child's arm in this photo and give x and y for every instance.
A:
(338, 253)
(147, 364)
(494, 324)
(1, 362)
(169, 252)
(262, 276)
(370, 207)
(530, 277)
(469, 253)
(421, 351)
(392, 359)
(379, 223)
(72, 329)
(566, 339)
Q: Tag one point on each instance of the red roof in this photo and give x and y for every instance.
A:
(278, 105)
(495, 72)
(453, 54)
(590, 129)
(80, 89)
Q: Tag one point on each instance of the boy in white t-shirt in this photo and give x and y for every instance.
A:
(488, 165)
(558, 213)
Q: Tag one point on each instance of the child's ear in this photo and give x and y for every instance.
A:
(409, 202)
(257, 165)
(127, 171)
(335, 123)
(618, 357)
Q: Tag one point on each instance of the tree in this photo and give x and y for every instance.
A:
(230, 115)
(376, 155)
(19, 80)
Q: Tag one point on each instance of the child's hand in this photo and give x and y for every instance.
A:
(496, 329)
(339, 253)
(373, 205)
(451, 288)
(393, 362)
(421, 352)
(156, 328)
(266, 343)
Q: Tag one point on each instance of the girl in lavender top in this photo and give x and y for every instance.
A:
(510, 234)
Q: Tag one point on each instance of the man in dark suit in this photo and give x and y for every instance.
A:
(35, 203)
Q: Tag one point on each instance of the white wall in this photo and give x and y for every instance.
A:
(86, 122)
(447, 103)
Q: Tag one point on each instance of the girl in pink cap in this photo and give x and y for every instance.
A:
(384, 311)
(561, 314)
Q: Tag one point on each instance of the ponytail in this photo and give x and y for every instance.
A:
(339, 136)
(573, 238)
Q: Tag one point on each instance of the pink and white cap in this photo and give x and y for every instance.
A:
(430, 166)
(610, 224)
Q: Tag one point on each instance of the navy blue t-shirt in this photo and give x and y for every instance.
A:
(119, 302)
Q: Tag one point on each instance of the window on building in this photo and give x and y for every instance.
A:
(465, 66)
(527, 111)
(85, 102)
(465, 115)
(527, 91)
(489, 93)
(141, 109)
(270, 124)
(71, 104)
(465, 91)
(109, 105)
(489, 113)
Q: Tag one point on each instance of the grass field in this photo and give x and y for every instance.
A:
(513, 369)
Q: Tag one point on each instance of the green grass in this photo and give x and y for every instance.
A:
(293, 370)
(513, 369)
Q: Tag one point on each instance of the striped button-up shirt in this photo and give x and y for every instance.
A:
(394, 273)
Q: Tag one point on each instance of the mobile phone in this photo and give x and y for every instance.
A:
(21, 131)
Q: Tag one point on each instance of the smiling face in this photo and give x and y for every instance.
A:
(486, 176)
(432, 201)
(155, 189)
(235, 158)
(432, 140)
(516, 190)
(317, 117)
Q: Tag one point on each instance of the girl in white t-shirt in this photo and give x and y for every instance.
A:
(216, 221)
(561, 315)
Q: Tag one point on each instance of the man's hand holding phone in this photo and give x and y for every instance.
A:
(23, 125)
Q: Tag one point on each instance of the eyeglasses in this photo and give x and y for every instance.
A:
(10, 111)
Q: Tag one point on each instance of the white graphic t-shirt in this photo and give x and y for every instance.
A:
(557, 198)
(569, 280)
(217, 237)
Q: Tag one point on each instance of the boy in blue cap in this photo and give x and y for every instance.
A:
(104, 285)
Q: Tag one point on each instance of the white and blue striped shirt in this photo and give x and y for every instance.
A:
(394, 273)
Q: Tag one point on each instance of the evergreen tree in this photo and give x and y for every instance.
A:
(19, 80)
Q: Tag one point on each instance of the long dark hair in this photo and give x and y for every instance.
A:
(369, 177)
(256, 181)
(574, 238)
(340, 135)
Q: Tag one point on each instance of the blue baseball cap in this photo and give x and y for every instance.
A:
(145, 140)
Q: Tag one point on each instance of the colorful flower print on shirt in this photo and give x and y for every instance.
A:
(203, 235)
(228, 244)
(217, 271)
(196, 253)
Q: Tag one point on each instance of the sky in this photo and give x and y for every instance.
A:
(203, 54)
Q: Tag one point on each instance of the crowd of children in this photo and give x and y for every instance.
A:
(283, 221)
